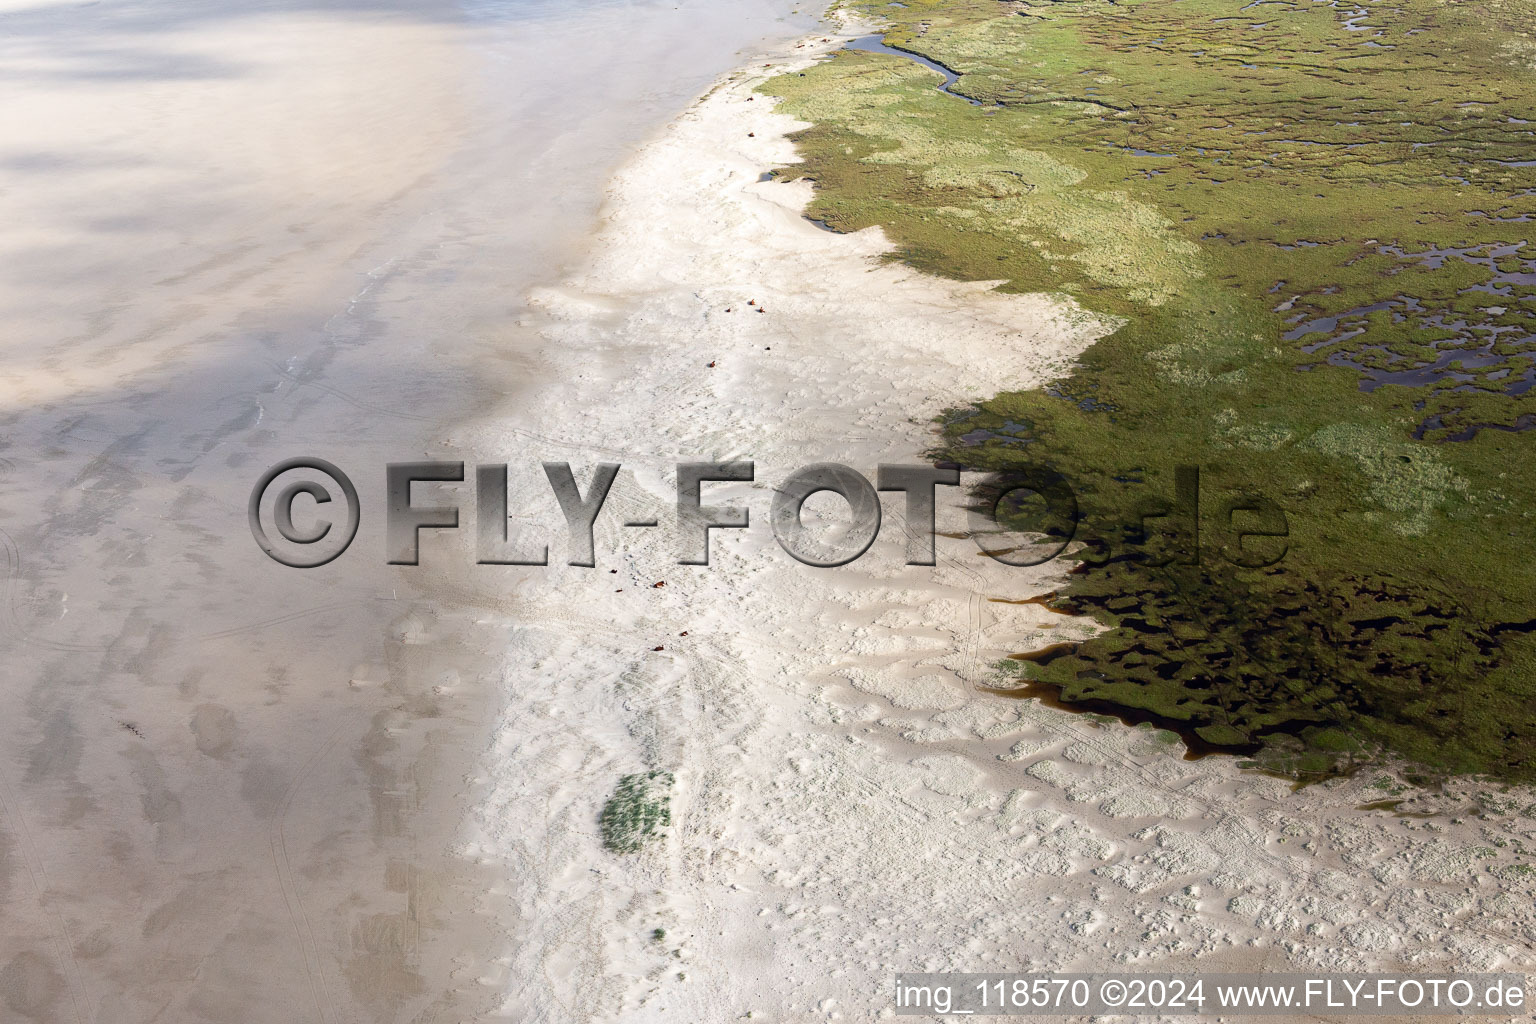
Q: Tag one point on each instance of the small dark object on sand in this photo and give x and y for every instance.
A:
(658, 648)
(751, 135)
(760, 309)
(683, 633)
(711, 364)
(659, 583)
(613, 570)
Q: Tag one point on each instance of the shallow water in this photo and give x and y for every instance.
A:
(876, 44)
(235, 233)
(1475, 344)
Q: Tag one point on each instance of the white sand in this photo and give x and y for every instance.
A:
(847, 803)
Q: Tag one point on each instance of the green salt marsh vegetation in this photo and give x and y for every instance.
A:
(1310, 219)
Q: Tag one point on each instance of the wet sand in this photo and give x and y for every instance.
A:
(230, 790)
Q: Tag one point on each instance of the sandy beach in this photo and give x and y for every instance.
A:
(847, 802)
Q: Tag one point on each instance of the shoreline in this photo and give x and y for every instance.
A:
(842, 783)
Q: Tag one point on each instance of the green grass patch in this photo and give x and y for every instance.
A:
(1311, 226)
(637, 812)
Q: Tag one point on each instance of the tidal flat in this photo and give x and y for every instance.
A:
(235, 233)
(1309, 221)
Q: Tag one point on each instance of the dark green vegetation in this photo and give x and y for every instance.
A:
(637, 812)
(1310, 220)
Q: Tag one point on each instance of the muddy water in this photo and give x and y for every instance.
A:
(235, 233)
